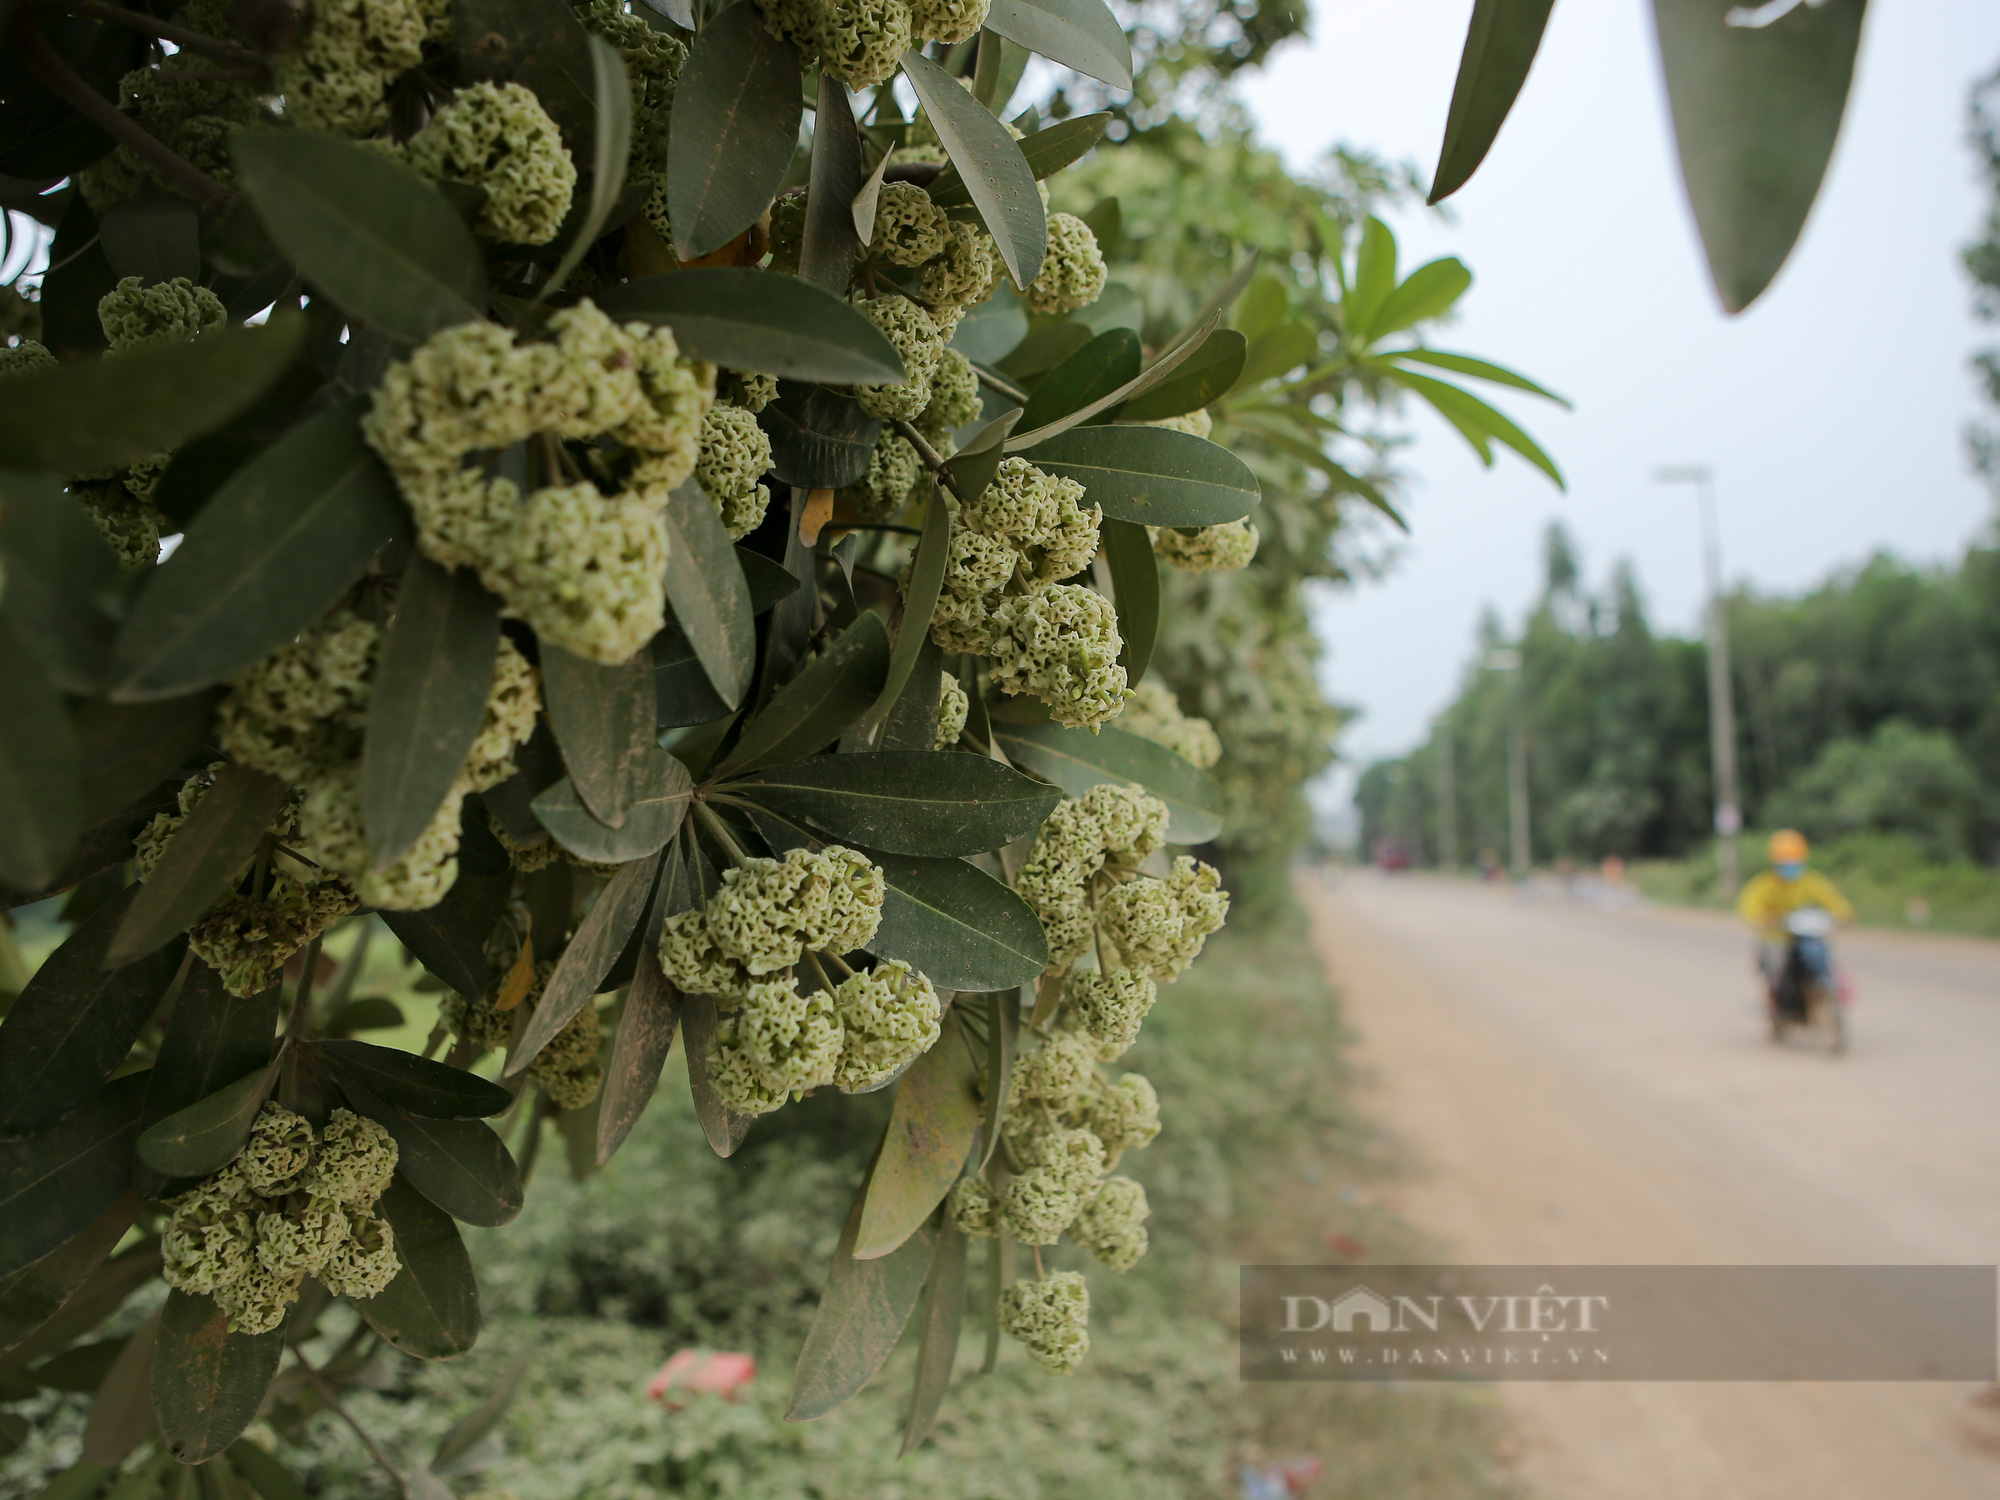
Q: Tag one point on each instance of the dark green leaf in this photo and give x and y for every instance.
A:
(638, 1052)
(408, 1082)
(831, 247)
(1080, 34)
(1107, 221)
(1426, 292)
(820, 439)
(462, 1166)
(724, 1128)
(121, 1416)
(1278, 352)
(207, 1381)
(767, 581)
(1047, 153)
(906, 801)
(1212, 369)
(1135, 585)
(707, 594)
(603, 719)
(736, 124)
(1478, 422)
(912, 723)
(957, 924)
(611, 99)
(75, 1022)
(265, 1474)
(974, 465)
(55, 1183)
(429, 700)
(201, 861)
(543, 45)
(1499, 46)
(58, 567)
(681, 689)
(449, 939)
(589, 956)
(816, 707)
(861, 1315)
(82, 1480)
(35, 1293)
(77, 279)
(1003, 1025)
(41, 810)
(279, 543)
(997, 175)
(939, 1323)
(464, 1434)
(752, 320)
(994, 329)
(95, 414)
(997, 70)
(128, 749)
(431, 1309)
(913, 626)
(936, 1114)
(1077, 760)
(369, 1013)
(1756, 112)
(1152, 475)
(371, 233)
(662, 801)
(1100, 367)
(153, 235)
(206, 1135)
(1465, 364)
(1153, 374)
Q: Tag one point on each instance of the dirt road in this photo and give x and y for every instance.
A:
(1583, 1085)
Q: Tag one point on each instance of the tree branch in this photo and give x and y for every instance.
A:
(995, 383)
(933, 460)
(166, 31)
(204, 189)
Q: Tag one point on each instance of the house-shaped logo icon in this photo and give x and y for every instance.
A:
(1361, 1305)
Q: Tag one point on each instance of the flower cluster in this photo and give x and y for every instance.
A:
(1226, 548)
(569, 1070)
(134, 315)
(348, 53)
(653, 61)
(954, 705)
(1154, 713)
(919, 338)
(497, 137)
(294, 1203)
(735, 454)
(1088, 844)
(581, 556)
(909, 228)
(1051, 1317)
(894, 469)
(1073, 271)
(1158, 926)
(861, 42)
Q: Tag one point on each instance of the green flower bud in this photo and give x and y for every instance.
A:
(295, 1242)
(1073, 272)
(780, 1043)
(497, 136)
(135, 316)
(1154, 713)
(915, 336)
(1226, 548)
(211, 1239)
(861, 42)
(974, 1210)
(300, 712)
(355, 1161)
(735, 454)
(1053, 1075)
(1046, 1198)
(365, 1261)
(349, 52)
(690, 957)
(1131, 821)
(1197, 422)
(967, 267)
(751, 392)
(653, 61)
(278, 1152)
(258, 1300)
(953, 707)
(1111, 1007)
(909, 228)
(948, 21)
(1124, 1116)
(954, 398)
(1061, 645)
(1112, 1225)
(25, 356)
(193, 117)
(570, 1069)
(1051, 1317)
(894, 469)
(887, 1017)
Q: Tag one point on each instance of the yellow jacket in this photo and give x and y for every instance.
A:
(1769, 898)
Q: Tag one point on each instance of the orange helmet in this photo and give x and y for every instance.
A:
(1788, 847)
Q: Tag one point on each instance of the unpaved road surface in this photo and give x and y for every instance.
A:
(1581, 1085)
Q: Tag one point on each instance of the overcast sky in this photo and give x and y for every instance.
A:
(1832, 411)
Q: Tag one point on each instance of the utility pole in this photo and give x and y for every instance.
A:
(1721, 700)
(1521, 858)
(1447, 790)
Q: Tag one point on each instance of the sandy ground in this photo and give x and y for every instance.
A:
(1581, 1085)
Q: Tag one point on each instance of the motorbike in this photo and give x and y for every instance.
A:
(1810, 995)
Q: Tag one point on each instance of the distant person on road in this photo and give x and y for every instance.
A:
(1774, 894)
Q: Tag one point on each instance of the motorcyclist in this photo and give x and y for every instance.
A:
(1772, 895)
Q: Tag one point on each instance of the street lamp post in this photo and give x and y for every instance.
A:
(1505, 659)
(1721, 701)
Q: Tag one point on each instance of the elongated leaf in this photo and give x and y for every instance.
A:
(978, 461)
(1101, 366)
(540, 43)
(1169, 361)
(589, 956)
(724, 1128)
(75, 1022)
(1374, 276)
(411, 1083)
(205, 1136)
(931, 1127)
(646, 1028)
(816, 707)
(58, 568)
(95, 414)
(707, 594)
(1135, 581)
(1077, 760)
(957, 924)
(1080, 34)
(657, 810)
(41, 799)
(1499, 46)
(207, 1381)
(461, 1166)
(830, 247)
(1278, 352)
(991, 331)
(55, 1183)
(1003, 1025)
(905, 801)
(752, 320)
(279, 543)
(464, 1434)
(264, 1473)
(128, 749)
(154, 236)
(611, 98)
(1047, 152)
(1426, 292)
(736, 124)
(860, 1318)
(1152, 475)
(431, 1309)
(32, 1295)
(603, 720)
(913, 627)
(122, 1415)
(214, 1037)
(429, 700)
(939, 1324)
(201, 861)
(1477, 422)
(1465, 364)
(1756, 112)
(996, 174)
(820, 439)
(1210, 371)
(372, 233)
(449, 938)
